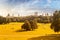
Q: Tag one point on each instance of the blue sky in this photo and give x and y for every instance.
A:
(28, 7)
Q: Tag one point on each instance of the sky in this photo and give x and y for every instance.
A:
(28, 7)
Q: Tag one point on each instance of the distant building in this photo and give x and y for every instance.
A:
(42, 14)
(36, 14)
(46, 14)
(9, 16)
(12, 15)
(18, 15)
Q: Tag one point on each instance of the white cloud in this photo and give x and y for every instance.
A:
(49, 1)
(22, 9)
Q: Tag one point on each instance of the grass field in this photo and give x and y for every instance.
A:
(8, 31)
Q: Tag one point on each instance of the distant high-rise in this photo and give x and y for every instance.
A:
(36, 13)
(8, 15)
(18, 15)
(42, 14)
(12, 15)
(46, 14)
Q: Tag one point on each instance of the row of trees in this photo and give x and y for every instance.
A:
(4, 20)
(40, 19)
(45, 19)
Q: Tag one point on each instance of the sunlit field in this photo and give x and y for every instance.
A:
(9, 31)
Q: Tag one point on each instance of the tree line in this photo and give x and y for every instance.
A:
(40, 19)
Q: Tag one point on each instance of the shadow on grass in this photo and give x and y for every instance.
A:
(47, 37)
(21, 31)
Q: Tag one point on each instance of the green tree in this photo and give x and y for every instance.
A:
(26, 26)
(56, 21)
(33, 24)
(1, 20)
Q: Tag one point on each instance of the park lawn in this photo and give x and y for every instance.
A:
(9, 31)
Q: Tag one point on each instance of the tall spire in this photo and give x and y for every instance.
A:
(8, 15)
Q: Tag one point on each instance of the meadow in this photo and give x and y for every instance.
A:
(10, 31)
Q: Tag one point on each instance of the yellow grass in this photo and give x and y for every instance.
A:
(8, 31)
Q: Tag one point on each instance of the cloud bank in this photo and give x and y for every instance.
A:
(28, 7)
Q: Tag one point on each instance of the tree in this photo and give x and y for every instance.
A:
(8, 15)
(33, 24)
(26, 26)
(30, 25)
(56, 21)
(1, 20)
